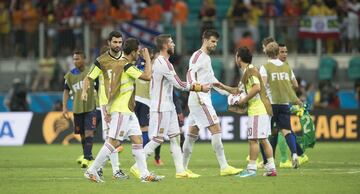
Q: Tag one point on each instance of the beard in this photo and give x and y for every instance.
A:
(115, 49)
(170, 51)
(210, 49)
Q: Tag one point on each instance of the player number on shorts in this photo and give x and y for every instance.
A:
(249, 132)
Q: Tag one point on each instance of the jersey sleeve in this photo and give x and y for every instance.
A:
(263, 72)
(95, 70)
(168, 71)
(132, 71)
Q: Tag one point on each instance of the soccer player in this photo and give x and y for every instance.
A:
(202, 113)
(277, 76)
(102, 69)
(84, 113)
(120, 111)
(259, 111)
(163, 116)
(273, 138)
(142, 107)
(284, 162)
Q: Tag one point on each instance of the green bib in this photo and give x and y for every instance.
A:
(279, 79)
(75, 83)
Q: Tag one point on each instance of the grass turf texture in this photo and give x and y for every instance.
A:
(333, 168)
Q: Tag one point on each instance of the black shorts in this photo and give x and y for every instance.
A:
(98, 117)
(85, 121)
(281, 116)
(142, 113)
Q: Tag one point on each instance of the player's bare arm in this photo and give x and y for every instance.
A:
(295, 84)
(65, 100)
(264, 79)
(231, 90)
(86, 85)
(146, 76)
(254, 90)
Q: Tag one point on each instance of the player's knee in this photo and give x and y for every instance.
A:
(285, 132)
(214, 129)
(89, 133)
(158, 139)
(263, 141)
(253, 141)
(194, 130)
(114, 142)
(274, 132)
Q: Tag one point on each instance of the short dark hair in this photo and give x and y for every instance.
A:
(115, 34)
(79, 52)
(161, 39)
(130, 45)
(245, 54)
(282, 45)
(209, 33)
(267, 40)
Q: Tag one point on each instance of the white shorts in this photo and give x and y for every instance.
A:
(258, 127)
(163, 124)
(123, 125)
(203, 116)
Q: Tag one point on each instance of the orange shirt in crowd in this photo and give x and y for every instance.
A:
(152, 13)
(30, 18)
(248, 42)
(180, 12)
(17, 19)
(120, 14)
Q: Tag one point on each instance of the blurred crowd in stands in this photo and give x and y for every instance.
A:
(64, 22)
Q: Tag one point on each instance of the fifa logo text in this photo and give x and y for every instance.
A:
(280, 76)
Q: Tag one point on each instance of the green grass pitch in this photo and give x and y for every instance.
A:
(333, 168)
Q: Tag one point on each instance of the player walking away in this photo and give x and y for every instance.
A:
(163, 116)
(202, 113)
(142, 107)
(102, 69)
(279, 139)
(277, 76)
(120, 111)
(84, 113)
(259, 111)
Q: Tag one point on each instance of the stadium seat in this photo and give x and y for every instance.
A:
(354, 68)
(327, 68)
(222, 8)
(347, 100)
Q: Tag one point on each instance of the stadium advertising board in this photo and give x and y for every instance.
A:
(13, 128)
(50, 128)
(334, 125)
(53, 128)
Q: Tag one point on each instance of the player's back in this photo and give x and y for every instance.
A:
(200, 71)
(161, 90)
